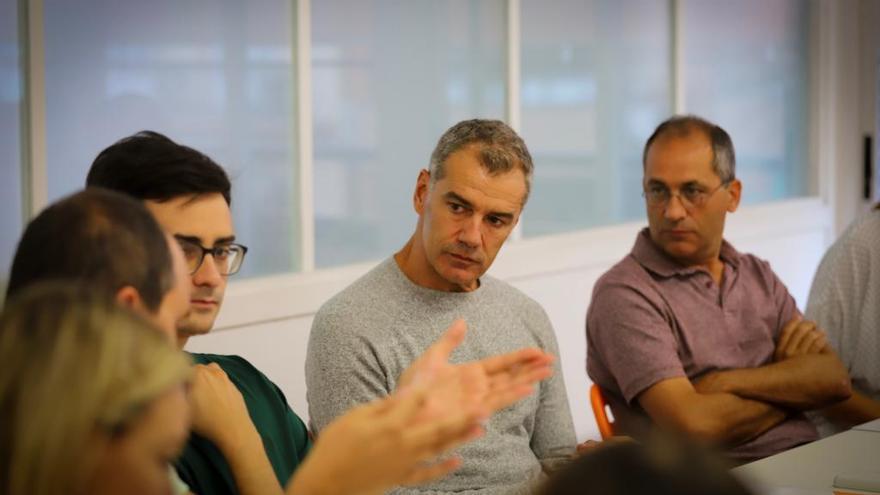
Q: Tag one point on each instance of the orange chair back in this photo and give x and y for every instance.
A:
(600, 410)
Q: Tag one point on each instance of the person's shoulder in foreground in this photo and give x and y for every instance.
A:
(662, 465)
(686, 319)
(844, 302)
(285, 436)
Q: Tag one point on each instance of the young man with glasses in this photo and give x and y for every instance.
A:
(688, 333)
(190, 195)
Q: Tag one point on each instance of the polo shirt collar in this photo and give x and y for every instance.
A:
(653, 259)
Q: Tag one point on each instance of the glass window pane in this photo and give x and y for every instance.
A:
(10, 137)
(746, 69)
(388, 78)
(212, 74)
(596, 80)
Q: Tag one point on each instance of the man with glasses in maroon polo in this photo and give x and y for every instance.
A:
(687, 333)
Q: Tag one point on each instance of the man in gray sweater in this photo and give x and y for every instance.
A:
(361, 340)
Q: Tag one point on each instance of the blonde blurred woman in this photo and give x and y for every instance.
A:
(92, 399)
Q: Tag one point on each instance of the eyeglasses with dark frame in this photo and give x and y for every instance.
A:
(227, 257)
(692, 196)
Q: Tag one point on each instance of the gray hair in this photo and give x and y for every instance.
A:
(501, 148)
(723, 155)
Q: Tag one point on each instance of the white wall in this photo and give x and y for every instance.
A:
(844, 79)
(558, 272)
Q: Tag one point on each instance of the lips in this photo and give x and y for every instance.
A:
(463, 259)
(203, 302)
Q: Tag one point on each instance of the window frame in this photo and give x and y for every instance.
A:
(291, 295)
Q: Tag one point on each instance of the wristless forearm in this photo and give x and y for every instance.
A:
(802, 383)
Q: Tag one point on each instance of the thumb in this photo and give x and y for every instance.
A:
(449, 341)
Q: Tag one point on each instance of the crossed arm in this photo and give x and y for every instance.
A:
(722, 418)
(734, 406)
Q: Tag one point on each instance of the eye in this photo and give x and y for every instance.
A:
(456, 208)
(692, 193)
(222, 252)
(189, 250)
(656, 193)
(496, 221)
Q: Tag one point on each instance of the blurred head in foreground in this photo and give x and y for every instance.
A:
(92, 397)
(662, 466)
(109, 242)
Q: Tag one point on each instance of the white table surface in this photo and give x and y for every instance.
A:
(811, 468)
(869, 426)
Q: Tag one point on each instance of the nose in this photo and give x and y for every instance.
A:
(207, 274)
(470, 234)
(674, 210)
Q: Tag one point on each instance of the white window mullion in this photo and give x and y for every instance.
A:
(305, 135)
(679, 86)
(36, 189)
(514, 114)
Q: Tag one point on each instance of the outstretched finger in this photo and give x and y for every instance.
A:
(451, 338)
(526, 375)
(436, 356)
(516, 359)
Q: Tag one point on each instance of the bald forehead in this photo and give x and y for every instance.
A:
(687, 133)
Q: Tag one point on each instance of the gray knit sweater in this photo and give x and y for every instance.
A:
(367, 335)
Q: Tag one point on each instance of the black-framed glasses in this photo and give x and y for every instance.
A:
(227, 257)
(692, 196)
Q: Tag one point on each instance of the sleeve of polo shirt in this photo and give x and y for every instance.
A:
(632, 339)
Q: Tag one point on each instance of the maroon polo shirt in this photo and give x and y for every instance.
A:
(651, 319)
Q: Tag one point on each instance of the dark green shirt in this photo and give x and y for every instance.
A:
(284, 435)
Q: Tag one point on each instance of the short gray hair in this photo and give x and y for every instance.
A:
(723, 155)
(501, 148)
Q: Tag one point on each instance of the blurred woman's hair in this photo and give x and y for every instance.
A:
(661, 466)
(77, 371)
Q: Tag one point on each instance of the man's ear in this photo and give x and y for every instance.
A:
(420, 195)
(128, 297)
(734, 189)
